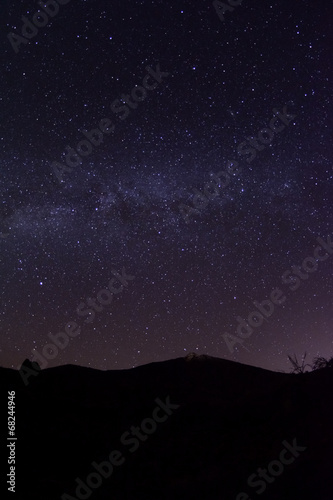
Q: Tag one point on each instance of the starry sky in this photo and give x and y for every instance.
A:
(131, 202)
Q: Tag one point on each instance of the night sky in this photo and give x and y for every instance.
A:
(131, 203)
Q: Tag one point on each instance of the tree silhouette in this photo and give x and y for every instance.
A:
(318, 363)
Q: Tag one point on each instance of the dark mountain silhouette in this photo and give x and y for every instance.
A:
(231, 420)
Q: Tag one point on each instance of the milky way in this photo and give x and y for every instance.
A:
(225, 84)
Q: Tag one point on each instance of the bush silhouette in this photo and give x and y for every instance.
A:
(318, 363)
(298, 367)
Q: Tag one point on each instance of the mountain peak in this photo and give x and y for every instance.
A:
(32, 365)
(192, 356)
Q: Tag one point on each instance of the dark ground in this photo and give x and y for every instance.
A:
(231, 420)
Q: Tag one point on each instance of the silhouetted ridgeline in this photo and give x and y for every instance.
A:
(195, 428)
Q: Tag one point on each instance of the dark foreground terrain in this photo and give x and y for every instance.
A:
(199, 429)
